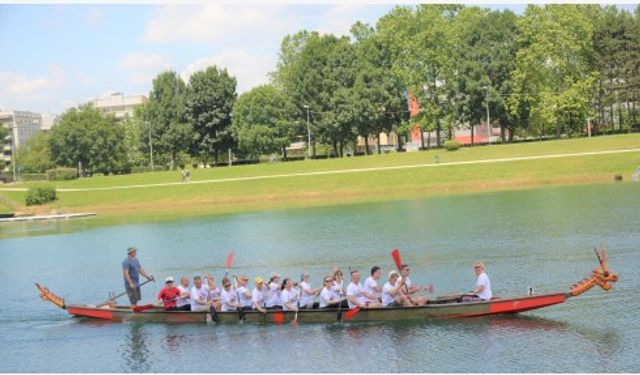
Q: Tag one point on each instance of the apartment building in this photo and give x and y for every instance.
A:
(118, 104)
(22, 125)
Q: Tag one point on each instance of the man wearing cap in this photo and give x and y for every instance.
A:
(258, 295)
(131, 269)
(169, 294)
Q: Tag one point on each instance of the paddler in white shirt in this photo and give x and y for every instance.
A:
(371, 284)
(244, 295)
(338, 288)
(229, 298)
(199, 295)
(357, 296)
(273, 292)
(288, 296)
(410, 288)
(258, 295)
(307, 294)
(327, 298)
(214, 292)
(183, 302)
(391, 292)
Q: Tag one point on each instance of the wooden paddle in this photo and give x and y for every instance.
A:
(228, 263)
(113, 299)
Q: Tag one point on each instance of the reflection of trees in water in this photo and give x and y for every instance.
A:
(135, 352)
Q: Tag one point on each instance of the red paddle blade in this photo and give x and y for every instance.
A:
(229, 261)
(351, 313)
(395, 254)
(278, 317)
(142, 308)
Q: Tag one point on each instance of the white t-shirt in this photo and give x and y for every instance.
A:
(257, 296)
(355, 290)
(325, 296)
(214, 294)
(369, 284)
(183, 301)
(483, 279)
(244, 301)
(387, 298)
(288, 296)
(201, 294)
(226, 297)
(337, 289)
(273, 295)
(305, 297)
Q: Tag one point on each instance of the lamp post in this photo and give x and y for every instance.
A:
(486, 100)
(308, 132)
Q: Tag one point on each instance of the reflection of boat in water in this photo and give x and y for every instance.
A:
(445, 307)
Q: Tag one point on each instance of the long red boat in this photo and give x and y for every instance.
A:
(445, 307)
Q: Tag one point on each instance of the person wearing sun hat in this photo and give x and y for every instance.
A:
(258, 295)
(131, 269)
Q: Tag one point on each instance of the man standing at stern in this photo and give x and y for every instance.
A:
(131, 269)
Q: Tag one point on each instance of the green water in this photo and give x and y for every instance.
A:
(541, 238)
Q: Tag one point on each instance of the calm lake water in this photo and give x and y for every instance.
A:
(542, 238)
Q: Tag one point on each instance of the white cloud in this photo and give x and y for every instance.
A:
(143, 67)
(338, 19)
(215, 22)
(16, 84)
(21, 91)
(250, 69)
(85, 79)
(94, 17)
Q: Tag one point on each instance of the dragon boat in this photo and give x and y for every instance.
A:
(444, 307)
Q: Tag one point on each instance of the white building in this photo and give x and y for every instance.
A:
(48, 121)
(22, 125)
(119, 105)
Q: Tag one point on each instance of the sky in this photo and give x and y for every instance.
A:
(57, 56)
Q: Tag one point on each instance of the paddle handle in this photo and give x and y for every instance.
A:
(123, 293)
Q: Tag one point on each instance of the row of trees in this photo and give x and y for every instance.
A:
(542, 74)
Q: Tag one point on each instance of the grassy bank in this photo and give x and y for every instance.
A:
(272, 189)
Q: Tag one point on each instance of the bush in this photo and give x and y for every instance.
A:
(33, 177)
(62, 174)
(451, 145)
(144, 169)
(40, 194)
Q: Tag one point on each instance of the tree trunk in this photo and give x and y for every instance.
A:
(313, 149)
(284, 153)
(511, 134)
(422, 139)
(502, 131)
(378, 141)
(173, 160)
(558, 128)
(472, 139)
(366, 145)
(335, 148)
(428, 140)
(341, 149)
(438, 131)
(569, 130)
